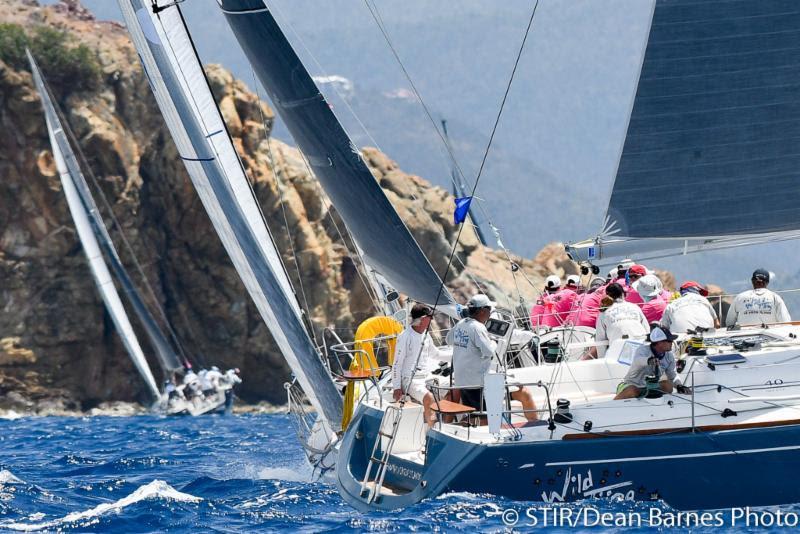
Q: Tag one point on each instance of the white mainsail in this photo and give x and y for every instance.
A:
(102, 277)
(187, 104)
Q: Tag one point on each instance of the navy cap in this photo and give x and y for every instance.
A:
(761, 274)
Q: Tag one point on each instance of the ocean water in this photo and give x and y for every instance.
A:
(231, 474)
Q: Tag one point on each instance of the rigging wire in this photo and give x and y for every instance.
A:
(475, 185)
(279, 186)
(287, 23)
(213, 147)
(84, 163)
(375, 12)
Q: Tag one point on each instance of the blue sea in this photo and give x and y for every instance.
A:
(235, 474)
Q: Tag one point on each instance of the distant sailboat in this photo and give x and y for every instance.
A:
(70, 173)
(100, 248)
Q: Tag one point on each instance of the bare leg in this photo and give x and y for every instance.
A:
(665, 386)
(524, 396)
(630, 392)
(427, 402)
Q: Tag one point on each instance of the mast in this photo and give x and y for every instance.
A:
(184, 97)
(69, 170)
(459, 191)
(371, 219)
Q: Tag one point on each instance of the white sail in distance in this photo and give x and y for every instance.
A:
(196, 126)
(63, 154)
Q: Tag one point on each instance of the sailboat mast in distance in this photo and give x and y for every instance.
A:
(459, 190)
(195, 123)
(68, 170)
(371, 219)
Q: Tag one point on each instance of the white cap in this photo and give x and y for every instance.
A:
(480, 301)
(648, 286)
(552, 281)
(613, 272)
(626, 264)
(573, 280)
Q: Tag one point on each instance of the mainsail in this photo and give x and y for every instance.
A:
(187, 104)
(371, 219)
(712, 150)
(69, 172)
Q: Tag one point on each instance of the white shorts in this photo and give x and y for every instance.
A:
(417, 390)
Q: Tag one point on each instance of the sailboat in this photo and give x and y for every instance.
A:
(101, 252)
(70, 173)
(734, 440)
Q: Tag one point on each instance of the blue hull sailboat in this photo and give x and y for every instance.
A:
(716, 77)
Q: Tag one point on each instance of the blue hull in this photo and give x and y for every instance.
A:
(690, 471)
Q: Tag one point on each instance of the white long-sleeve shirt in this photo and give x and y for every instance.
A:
(405, 367)
(473, 352)
(757, 306)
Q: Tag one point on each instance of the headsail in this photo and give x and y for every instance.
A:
(186, 102)
(387, 244)
(712, 150)
(68, 171)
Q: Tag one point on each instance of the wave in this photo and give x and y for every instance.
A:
(7, 477)
(288, 474)
(157, 489)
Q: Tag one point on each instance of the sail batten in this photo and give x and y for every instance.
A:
(385, 241)
(69, 174)
(195, 123)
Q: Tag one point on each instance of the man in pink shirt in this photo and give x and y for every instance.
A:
(544, 311)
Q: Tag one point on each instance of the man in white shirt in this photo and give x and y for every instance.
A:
(619, 320)
(758, 305)
(408, 374)
(473, 354)
(691, 311)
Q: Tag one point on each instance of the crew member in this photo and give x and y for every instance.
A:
(758, 305)
(619, 320)
(543, 313)
(474, 353)
(408, 374)
(587, 307)
(649, 289)
(654, 359)
(690, 311)
(565, 299)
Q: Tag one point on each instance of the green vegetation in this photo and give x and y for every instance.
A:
(66, 65)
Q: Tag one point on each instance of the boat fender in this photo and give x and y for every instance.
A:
(727, 412)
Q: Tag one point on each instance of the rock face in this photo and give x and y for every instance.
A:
(55, 337)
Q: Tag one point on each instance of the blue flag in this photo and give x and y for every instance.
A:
(462, 209)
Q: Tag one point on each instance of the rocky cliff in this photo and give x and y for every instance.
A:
(55, 337)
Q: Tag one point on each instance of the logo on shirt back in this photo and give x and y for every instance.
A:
(460, 339)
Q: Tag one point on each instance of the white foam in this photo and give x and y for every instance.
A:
(299, 474)
(157, 489)
(7, 477)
